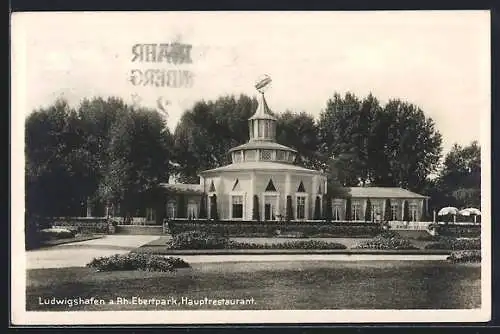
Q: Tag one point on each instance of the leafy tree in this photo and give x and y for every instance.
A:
(388, 210)
(368, 211)
(327, 212)
(348, 209)
(213, 208)
(289, 209)
(317, 208)
(203, 206)
(406, 211)
(256, 210)
(391, 145)
(299, 131)
(198, 144)
(460, 178)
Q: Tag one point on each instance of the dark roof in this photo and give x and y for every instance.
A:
(182, 188)
(383, 192)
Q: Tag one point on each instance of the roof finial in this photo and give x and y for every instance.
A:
(263, 83)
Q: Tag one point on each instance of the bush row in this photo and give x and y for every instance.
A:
(137, 261)
(458, 231)
(383, 242)
(455, 244)
(268, 230)
(469, 256)
(202, 240)
(96, 225)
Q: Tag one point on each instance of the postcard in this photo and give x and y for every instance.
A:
(250, 167)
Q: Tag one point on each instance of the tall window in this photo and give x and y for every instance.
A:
(336, 212)
(356, 209)
(237, 206)
(171, 210)
(301, 207)
(394, 211)
(413, 212)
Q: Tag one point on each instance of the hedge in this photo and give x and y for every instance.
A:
(455, 244)
(268, 229)
(387, 240)
(470, 256)
(137, 261)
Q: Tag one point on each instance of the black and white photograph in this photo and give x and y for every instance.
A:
(250, 167)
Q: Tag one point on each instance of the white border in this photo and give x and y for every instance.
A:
(20, 316)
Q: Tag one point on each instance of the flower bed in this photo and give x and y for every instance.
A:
(308, 244)
(202, 240)
(470, 256)
(84, 225)
(136, 261)
(455, 244)
(387, 240)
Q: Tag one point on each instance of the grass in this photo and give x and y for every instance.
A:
(310, 285)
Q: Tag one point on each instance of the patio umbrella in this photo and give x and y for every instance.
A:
(449, 210)
(470, 211)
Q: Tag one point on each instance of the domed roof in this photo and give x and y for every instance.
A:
(262, 165)
(263, 111)
(262, 144)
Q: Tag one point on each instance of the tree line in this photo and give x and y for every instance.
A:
(107, 152)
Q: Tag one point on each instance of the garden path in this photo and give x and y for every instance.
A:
(78, 254)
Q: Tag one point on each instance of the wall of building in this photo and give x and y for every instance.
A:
(255, 183)
(381, 203)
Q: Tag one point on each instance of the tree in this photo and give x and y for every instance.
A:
(391, 145)
(203, 206)
(327, 212)
(388, 210)
(139, 158)
(368, 211)
(58, 168)
(299, 131)
(317, 208)
(289, 209)
(256, 211)
(213, 208)
(406, 212)
(198, 144)
(348, 209)
(460, 178)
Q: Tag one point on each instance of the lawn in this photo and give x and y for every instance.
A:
(310, 285)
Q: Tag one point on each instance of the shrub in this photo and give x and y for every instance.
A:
(381, 242)
(455, 244)
(388, 234)
(197, 240)
(308, 244)
(136, 261)
(473, 256)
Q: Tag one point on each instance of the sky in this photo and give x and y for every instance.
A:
(437, 60)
